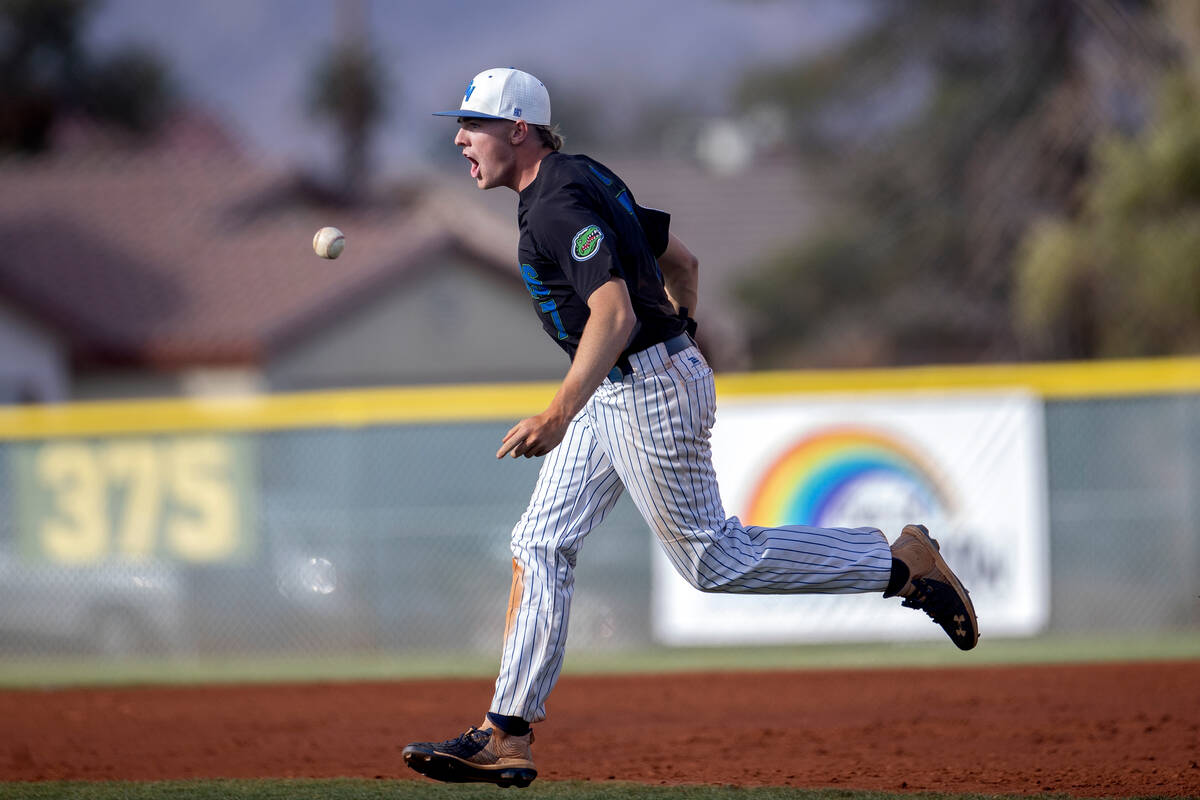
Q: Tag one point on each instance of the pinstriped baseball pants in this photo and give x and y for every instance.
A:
(650, 434)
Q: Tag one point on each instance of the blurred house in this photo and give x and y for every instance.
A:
(187, 268)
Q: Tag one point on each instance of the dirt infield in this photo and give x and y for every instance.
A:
(1083, 730)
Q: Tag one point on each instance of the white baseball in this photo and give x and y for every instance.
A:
(329, 243)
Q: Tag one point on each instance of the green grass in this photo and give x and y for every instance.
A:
(348, 789)
(939, 653)
(43, 672)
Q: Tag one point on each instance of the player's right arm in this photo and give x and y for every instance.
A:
(681, 275)
(606, 333)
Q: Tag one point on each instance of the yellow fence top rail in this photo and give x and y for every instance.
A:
(1061, 380)
(495, 402)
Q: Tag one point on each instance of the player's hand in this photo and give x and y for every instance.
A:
(534, 436)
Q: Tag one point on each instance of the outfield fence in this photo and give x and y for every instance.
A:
(377, 521)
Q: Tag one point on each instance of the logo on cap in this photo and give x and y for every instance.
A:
(470, 89)
(586, 243)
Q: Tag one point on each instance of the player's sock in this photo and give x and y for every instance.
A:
(515, 726)
(896, 582)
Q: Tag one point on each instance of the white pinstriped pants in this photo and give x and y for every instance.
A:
(650, 434)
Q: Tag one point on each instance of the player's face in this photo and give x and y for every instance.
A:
(486, 144)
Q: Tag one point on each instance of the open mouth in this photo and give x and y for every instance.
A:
(474, 167)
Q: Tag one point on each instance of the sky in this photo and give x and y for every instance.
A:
(248, 61)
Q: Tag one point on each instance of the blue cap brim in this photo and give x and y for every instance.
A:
(466, 114)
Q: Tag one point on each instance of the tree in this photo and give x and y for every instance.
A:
(1122, 278)
(41, 66)
(938, 135)
(348, 88)
(46, 73)
(131, 88)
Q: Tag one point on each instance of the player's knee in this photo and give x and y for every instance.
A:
(712, 584)
(703, 579)
(543, 552)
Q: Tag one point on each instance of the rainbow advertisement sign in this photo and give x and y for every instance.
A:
(837, 468)
(971, 467)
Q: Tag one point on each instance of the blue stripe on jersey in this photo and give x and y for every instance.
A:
(607, 181)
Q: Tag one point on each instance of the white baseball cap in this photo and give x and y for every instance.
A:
(504, 93)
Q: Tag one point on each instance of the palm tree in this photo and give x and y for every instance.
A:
(348, 88)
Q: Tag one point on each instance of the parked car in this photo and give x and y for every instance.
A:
(113, 608)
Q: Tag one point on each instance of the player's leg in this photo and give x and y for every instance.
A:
(656, 426)
(576, 488)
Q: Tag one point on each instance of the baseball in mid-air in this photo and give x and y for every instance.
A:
(329, 243)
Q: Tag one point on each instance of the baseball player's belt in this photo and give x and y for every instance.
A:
(674, 345)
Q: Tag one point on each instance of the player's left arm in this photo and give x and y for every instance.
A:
(680, 269)
(681, 275)
(610, 324)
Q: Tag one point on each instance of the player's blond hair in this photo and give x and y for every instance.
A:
(549, 135)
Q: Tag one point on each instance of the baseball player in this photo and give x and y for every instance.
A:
(615, 289)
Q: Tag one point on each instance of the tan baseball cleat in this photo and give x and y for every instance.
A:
(481, 755)
(934, 588)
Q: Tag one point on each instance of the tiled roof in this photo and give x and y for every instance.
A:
(158, 258)
(196, 255)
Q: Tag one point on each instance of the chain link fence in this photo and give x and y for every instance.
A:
(394, 539)
(1124, 519)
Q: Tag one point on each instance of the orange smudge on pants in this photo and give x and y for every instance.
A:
(514, 597)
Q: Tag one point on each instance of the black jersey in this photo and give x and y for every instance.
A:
(580, 226)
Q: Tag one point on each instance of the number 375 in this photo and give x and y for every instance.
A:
(85, 501)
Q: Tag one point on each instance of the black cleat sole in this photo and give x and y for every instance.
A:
(452, 770)
(965, 636)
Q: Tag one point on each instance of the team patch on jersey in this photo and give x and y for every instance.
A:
(586, 243)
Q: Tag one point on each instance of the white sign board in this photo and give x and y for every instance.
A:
(970, 466)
